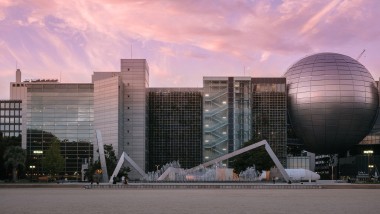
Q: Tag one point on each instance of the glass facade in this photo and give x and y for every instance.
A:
(62, 112)
(269, 114)
(10, 118)
(242, 111)
(215, 114)
(227, 115)
(175, 126)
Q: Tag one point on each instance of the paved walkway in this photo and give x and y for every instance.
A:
(168, 201)
(195, 185)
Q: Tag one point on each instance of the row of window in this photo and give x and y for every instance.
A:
(10, 120)
(10, 133)
(8, 127)
(10, 105)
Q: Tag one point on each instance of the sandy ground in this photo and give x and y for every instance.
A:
(53, 200)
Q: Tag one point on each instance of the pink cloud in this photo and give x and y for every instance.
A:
(311, 23)
(78, 36)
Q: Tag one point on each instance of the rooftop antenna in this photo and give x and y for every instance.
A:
(360, 55)
(131, 51)
(244, 70)
(60, 76)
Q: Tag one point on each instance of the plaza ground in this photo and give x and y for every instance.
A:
(168, 201)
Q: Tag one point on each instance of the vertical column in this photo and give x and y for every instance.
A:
(135, 77)
(230, 114)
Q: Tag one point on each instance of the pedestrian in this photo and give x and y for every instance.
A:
(114, 180)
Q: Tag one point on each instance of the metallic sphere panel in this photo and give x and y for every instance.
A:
(332, 101)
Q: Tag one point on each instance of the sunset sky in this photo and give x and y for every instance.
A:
(182, 40)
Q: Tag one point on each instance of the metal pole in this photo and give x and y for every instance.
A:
(368, 167)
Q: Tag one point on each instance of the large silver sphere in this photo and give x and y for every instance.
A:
(332, 102)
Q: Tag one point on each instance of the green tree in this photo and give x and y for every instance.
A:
(111, 160)
(5, 143)
(14, 157)
(53, 161)
(258, 157)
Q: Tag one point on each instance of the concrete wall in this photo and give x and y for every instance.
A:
(135, 78)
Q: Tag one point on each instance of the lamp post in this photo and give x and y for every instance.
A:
(370, 168)
(368, 153)
(32, 167)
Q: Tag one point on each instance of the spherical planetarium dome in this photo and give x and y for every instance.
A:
(332, 102)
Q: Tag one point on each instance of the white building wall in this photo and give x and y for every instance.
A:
(135, 77)
(17, 91)
(99, 75)
(107, 110)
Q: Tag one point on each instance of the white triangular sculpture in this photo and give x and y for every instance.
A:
(124, 157)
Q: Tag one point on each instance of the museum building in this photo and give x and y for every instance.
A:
(155, 126)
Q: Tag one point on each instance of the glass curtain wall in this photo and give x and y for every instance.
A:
(215, 114)
(227, 115)
(269, 114)
(63, 113)
(242, 111)
(175, 127)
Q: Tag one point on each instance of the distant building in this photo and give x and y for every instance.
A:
(10, 118)
(305, 161)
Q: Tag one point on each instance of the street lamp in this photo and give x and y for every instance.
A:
(368, 153)
(32, 167)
